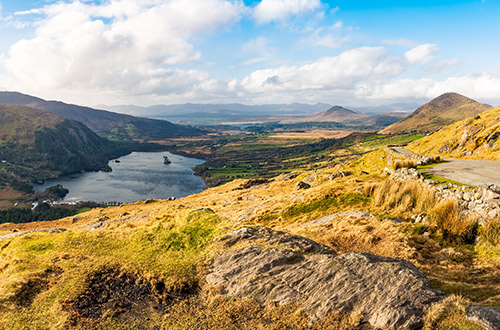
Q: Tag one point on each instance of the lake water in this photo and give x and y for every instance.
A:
(137, 176)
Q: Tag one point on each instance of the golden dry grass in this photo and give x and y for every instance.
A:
(449, 314)
(454, 226)
(400, 198)
(470, 138)
(367, 235)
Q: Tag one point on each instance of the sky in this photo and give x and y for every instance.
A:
(346, 52)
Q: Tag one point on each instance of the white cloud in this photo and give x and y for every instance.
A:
(422, 54)
(277, 10)
(342, 72)
(120, 45)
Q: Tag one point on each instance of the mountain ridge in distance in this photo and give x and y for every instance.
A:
(109, 124)
(36, 145)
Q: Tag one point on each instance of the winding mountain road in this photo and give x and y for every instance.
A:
(468, 171)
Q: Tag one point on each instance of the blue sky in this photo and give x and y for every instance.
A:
(344, 52)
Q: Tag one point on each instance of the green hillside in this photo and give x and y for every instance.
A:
(114, 126)
(36, 145)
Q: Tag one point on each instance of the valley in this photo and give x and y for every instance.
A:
(283, 207)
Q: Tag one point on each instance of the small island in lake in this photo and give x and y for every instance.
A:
(166, 160)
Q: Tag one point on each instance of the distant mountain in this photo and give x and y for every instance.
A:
(337, 114)
(218, 111)
(36, 145)
(476, 137)
(108, 124)
(349, 118)
(439, 112)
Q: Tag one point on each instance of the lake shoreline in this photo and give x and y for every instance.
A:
(133, 177)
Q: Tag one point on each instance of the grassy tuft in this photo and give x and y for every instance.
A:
(454, 227)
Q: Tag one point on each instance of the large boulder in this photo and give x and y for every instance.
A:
(276, 267)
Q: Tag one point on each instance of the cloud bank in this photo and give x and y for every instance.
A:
(145, 52)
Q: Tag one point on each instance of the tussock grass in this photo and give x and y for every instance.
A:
(405, 163)
(454, 227)
(400, 198)
(490, 231)
(449, 314)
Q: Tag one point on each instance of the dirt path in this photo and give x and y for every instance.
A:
(468, 171)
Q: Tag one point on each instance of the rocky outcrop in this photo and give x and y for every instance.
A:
(488, 317)
(21, 233)
(482, 202)
(274, 267)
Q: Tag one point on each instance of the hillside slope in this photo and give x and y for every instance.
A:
(337, 113)
(238, 256)
(35, 145)
(347, 117)
(441, 111)
(474, 138)
(106, 123)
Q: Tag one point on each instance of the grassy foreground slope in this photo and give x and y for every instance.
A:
(441, 111)
(474, 138)
(142, 265)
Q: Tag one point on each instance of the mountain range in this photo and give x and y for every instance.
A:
(36, 145)
(114, 126)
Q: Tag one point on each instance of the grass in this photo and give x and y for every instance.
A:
(400, 199)
(167, 251)
(326, 204)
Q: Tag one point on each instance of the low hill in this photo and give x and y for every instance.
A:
(337, 113)
(441, 111)
(475, 137)
(106, 123)
(349, 118)
(35, 145)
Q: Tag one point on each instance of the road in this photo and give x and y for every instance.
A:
(468, 171)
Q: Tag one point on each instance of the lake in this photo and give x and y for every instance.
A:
(137, 176)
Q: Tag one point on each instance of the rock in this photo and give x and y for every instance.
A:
(340, 174)
(489, 195)
(21, 233)
(75, 219)
(302, 185)
(276, 267)
(311, 178)
(252, 182)
(493, 213)
(252, 198)
(289, 176)
(488, 317)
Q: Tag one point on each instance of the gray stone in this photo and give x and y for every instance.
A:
(276, 267)
(488, 317)
(302, 185)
